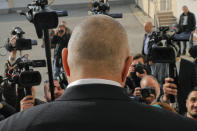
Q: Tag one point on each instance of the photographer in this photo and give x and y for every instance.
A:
(30, 101)
(60, 39)
(149, 91)
(137, 70)
(8, 90)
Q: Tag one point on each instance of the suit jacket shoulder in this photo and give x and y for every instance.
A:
(95, 107)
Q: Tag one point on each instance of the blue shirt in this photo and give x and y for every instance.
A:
(146, 44)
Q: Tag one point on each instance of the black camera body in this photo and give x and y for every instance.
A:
(147, 91)
(42, 16)
(21, 43)
(23, 75)
(139, 67)
(100, 8)
(162, 48)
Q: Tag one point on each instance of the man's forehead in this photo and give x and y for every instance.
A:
(61, 26)
(185, 7)
(138, 60)
(193, 94)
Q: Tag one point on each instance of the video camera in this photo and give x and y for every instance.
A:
(21, 43)
(22, 74)
(42, 16)
(164, 48)
(44, 19)
(100, 7)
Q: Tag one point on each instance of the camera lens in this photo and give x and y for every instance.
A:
(61, 31)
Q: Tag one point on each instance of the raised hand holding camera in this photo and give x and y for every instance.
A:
(169, 88)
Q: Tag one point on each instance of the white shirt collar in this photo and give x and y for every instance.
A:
(93, 81)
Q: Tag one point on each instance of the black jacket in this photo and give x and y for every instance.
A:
(191, 22)
(187, 80)
(96, 107)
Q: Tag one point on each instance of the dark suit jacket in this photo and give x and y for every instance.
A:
(187, 80)
(95, 107)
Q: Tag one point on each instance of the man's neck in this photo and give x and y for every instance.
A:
(185, 13)
(178, 59)
(148, 33)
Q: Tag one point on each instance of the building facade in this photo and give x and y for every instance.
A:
(150, 7)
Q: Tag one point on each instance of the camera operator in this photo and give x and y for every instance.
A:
(186, 80)
(149, 91)
(14, 95)
(30, 101)
(8, 90)
(60, 39)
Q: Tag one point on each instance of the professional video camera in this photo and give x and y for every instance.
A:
(21, 72)
(163, 48)
(21, 43)
(139, 67)
(101, 7)
(42, 16)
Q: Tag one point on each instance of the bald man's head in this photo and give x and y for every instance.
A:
(99, 42)
(150, 81)
(98, 48)
(148, 27)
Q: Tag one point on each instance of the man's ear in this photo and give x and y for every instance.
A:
(65, 61)
(126, 68)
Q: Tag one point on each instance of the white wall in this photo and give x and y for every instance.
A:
(4, 4)
(191, 4)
